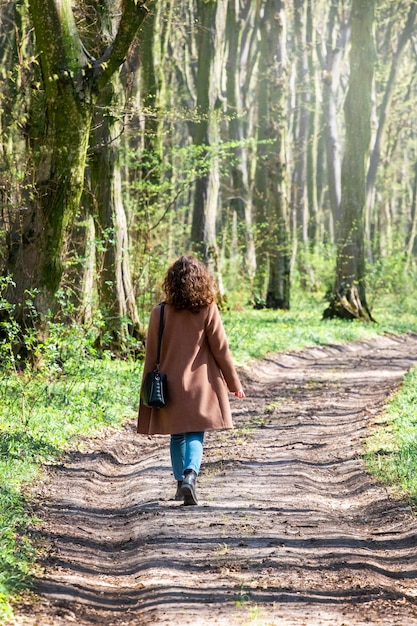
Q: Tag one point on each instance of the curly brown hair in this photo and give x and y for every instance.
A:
(189, 285)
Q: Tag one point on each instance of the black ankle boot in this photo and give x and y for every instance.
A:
(188, 487)
(178, 495)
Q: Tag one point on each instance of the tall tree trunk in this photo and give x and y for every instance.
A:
(299, 195)
(114, 282)
(260, 192)
(59, 154)
(241, 61)
(349, 297)
(16, 85)
(271, 178)
(314, 217)
(210, 61)
(338, 32)
(278, 291)
(412, 235)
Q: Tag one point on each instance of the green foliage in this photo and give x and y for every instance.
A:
(16, 551)
(387, 276)
(322, 262)
(391, 451)
(159, 197)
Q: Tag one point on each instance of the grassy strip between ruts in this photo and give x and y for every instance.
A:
(43, 413)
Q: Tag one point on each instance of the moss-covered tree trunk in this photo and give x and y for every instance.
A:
(113, 280)
(71, 80)
(15, 96)
(59, 145)
(349, 297)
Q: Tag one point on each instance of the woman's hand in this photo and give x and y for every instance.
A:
(239, 393)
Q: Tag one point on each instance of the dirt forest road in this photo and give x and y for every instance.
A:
(290, 529)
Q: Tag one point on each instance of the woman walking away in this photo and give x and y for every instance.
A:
(196, 359)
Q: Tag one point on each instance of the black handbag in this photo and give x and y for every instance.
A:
(154, 386)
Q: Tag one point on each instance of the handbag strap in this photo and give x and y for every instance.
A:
(161, 330)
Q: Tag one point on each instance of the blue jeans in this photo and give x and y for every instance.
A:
(186, 453)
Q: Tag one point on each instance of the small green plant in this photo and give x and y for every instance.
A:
(269, 408)
(242, 597)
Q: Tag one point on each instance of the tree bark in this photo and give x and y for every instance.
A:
(349, 297)
(338, 32)
(15, 95)
(206, 136)
(114, 282)
(412, 235)
(241, 61)
(303, 89)
(271, 176)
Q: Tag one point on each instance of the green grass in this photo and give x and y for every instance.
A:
(44, 413)
(252, 333)
(391, 450)
(40, 416)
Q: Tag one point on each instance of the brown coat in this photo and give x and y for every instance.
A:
(195, 357)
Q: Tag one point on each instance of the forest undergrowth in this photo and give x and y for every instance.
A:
(45, 411)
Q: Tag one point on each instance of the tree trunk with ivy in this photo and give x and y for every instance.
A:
(348, 299)
(71, 80)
